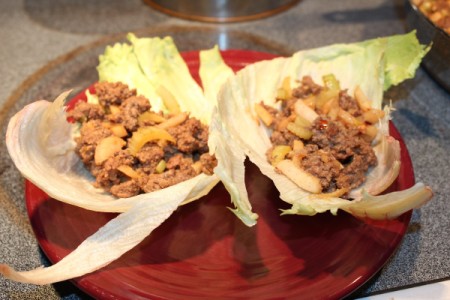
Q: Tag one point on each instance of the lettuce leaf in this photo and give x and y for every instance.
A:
(213, 74)
(403, 56)
(119, 63)
(40, 141)
(112, 240)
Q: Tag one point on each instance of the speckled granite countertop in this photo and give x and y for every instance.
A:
(38, 35)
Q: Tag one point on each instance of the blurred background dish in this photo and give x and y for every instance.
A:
(221, 11)
(437, 61)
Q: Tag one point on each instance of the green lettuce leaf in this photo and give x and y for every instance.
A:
(147, 64)
(403, 56)
(119, 63)
(170, 71)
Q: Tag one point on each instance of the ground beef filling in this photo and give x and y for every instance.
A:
(338, 155)
(109, 127)
(333, 150)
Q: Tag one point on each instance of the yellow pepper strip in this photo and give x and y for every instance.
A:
(146, 134)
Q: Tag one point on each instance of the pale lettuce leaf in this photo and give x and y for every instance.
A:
(213, 74)
(40, 143)
(230, 170)
(112, 240)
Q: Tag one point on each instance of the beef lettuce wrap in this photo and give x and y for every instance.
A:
(123, 149)
(315, 124)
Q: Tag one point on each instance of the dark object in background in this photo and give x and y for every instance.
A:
(437, 61)
(221, 11)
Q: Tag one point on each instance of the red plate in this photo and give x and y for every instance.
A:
(204, 251)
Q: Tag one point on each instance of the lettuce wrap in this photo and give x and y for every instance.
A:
(373, 66)
(41, 144)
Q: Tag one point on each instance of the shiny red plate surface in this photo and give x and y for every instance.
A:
(204, 251)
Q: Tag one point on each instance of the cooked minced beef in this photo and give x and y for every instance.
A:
(192, 137)
(130, 109)
(157, 164)
(87, 111)
(155, 182)
(107, 174)
(307, 87)
(337, 154)
(349, 104)
(91, 132)
(112, 93)
(208, 163)
(347, 155)
(149, 156)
